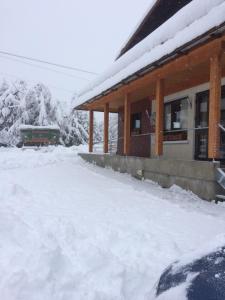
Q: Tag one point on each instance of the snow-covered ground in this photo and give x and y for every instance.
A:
(73, 231)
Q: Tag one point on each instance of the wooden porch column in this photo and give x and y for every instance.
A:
(106, 128)
(91, 130)
(214, 106)
(159, 117)
(126, 125)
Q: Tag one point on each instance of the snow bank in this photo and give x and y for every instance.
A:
(192, 21)
(33, 157)
(70, 230)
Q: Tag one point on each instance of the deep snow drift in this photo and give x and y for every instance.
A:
(69, 230)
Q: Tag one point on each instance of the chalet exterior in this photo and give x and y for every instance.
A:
(168, 87)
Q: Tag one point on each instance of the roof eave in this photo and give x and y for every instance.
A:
(214, 33)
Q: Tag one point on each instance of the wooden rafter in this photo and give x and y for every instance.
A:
(183, 62)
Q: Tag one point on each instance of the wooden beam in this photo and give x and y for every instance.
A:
(214, 106)
(181, 63)
(106, 128)
(159, 117)
(91, 130)
(126, 125)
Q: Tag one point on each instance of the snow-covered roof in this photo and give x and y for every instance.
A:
(192, 21)
(31, 127)
(150, 6)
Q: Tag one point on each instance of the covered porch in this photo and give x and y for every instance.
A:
(144, 119)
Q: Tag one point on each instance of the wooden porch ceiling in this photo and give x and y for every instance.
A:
(184, 72)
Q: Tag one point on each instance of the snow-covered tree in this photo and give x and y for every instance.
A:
(11, 110)
(99, 129)
(74, 128)
(22, 104)
(113, 127)
(40, 107)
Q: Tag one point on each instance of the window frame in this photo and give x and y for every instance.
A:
(133, 129)
(174, 134)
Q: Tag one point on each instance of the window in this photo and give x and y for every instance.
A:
(136, 123)
(175, 120)
(202, 110)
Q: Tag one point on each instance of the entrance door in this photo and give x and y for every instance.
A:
(201, 125)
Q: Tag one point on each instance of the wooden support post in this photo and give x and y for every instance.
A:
(214, 106)
(159, 117)
(126, 125)
(91, 130)
(106, 128)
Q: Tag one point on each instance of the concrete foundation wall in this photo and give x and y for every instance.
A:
(196, 176)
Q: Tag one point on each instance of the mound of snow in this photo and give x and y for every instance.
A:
(70, 230)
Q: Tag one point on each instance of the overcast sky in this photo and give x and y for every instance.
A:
(81, 33)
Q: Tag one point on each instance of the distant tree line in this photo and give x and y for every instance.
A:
(34, 105)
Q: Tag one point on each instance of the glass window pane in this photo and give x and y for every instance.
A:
(167, 119)
(176, 120)
(184, 114)
(203, 114)
(175, 107)
(202, 109)
(137, 124)
(223, 109)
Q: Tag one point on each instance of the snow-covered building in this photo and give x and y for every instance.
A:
(168, 87)
(39, 135)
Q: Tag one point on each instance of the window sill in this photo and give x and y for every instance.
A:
(175, 142)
